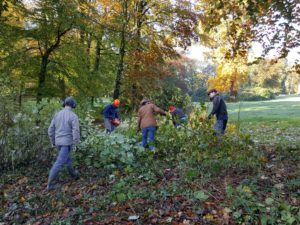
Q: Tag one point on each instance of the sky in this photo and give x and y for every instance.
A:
(197, 51)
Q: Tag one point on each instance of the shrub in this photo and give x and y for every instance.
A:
(256, 94)
(23, 135)
(247, 208)
(101, 150)
(195, 144)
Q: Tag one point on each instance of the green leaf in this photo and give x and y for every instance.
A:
(191, 174)
(269, 201)
(264, 220)
(200, 195)
(237, 214)
(121, 197)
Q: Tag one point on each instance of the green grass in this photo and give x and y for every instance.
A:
(274, 122)
(283, 111)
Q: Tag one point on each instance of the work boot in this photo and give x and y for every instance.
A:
(51, 187)
(73, 173)
(76, 176)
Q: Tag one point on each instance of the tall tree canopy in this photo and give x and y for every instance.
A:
(122, 48)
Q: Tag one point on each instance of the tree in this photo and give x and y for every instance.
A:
(11, 46)
(49, 21)
(226, 27)
(154, 30)
(231, 74)
(276, 76)
(277, 27)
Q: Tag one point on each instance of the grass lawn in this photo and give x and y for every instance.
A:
(283, 109)
(276, 121)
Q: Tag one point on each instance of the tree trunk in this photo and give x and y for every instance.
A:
(92, 101)
(233, 93)
(283, 84)
(42, 77)
(89, 42)
(45, 61)
(120, 70)
(62, 85)
(140, 10)
(20, 96)
(97, 57)
(120, 67)
(97, 63)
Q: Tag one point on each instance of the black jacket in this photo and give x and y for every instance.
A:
(219, 107)
(178, 113)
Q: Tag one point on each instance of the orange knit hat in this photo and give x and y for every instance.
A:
(116, 102)
(172, 108)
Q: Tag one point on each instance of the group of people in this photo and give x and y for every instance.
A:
(64, 128)
(146, 119)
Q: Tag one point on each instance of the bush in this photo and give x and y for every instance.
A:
(200, 95)
(23, 135)
(195, 144)
(247, 208)
(172, 95)
(101, 150)
(256, 94)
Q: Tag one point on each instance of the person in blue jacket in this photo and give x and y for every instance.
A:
(111, 116)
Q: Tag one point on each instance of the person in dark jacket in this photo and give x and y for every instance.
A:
(111, 116)
(178, 116)
(220, 110)
(147, 121)
(64, 134)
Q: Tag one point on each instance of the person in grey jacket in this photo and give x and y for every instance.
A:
(220, 110)
(64, 133)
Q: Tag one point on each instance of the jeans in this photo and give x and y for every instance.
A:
(63, 159)
(148, 132)
(108, 125)
(220, 126)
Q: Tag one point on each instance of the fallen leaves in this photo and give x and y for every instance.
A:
(22, 181)
(164, 198)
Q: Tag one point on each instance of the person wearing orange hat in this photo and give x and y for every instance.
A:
(178, 116)
(111, 116)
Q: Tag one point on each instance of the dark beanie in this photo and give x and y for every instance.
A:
(69, 101)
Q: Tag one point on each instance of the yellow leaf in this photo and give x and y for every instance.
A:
(247, 189)
(208, 217)
(22, 199)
